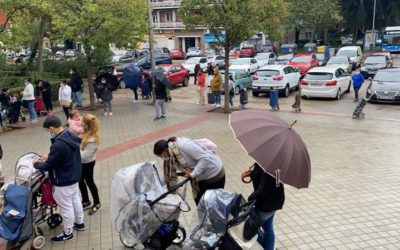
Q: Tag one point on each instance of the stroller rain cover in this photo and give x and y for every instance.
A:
(132, 189)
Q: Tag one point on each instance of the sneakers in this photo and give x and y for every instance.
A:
(86, 205)
(218, 106)
(79, 227)
(109, 113)
(94, 209)
(62, 237)
(157, 118)
(163, 117)
(105, 114)
(34, 121)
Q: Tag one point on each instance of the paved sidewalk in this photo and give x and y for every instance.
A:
(353, 201)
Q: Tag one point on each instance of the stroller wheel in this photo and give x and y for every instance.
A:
(38, 242)
(181, 236)
(126, 242)
(54, 220)
(23, 118)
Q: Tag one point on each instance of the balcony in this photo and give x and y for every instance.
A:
(166, 4)
(163, 25)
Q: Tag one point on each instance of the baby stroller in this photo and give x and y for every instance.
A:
(219, 212)
(23, 211)
(14, 112)
(145, 90)
(143, 211)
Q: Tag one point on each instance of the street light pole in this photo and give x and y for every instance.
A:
(151, 40)
(373, 27)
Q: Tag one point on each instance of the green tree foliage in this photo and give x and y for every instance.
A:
(96, 24)
(232, 21)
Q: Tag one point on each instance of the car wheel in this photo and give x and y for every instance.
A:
(255, 94)
(286, 91)
(338, 94)
(185, 81)
(237, 90)
(122, 84)
(348, 88)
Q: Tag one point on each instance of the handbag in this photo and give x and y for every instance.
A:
(251, 225)
(65, 103)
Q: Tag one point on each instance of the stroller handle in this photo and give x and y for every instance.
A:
(173, 189)
(242, 217)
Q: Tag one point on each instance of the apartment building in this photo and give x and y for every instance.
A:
(169, 30)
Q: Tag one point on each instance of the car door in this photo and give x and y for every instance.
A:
(237, 79)
(203, 62)
(341, 79)
(173, 75)
(253, 65)
(246, 79)
(290, 76)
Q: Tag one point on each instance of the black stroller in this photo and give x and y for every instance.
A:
(143, 211)
(14, 112)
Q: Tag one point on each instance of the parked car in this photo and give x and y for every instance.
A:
(210, 53)
(265, 58)
(353, 52)
(177, 54)
(284, 59)
(194, 51)
(70, 53)
(117, 71)
(250, 65)
(162, 50)
(373, 63)
(234, 53)
(247, 52)
(240, 78)
(190, 63)
(326, 82)
(385, 86)
(282, 77)
(217, 61)
(341, 62)
(144, 51)
(59, 55)
(145, 61)
(176, 74)
(304, 62)
(385, 53)
(322, 59)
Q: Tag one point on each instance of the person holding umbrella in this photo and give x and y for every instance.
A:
(162, 84)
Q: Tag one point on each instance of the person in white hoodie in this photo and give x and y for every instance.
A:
(28, 97)
(89, 146)
(64, 96)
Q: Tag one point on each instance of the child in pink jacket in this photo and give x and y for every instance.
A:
(75, 122)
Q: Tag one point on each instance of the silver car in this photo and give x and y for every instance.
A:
(385, 86)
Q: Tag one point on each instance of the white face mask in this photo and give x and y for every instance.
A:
(166, 158)
(103, 80)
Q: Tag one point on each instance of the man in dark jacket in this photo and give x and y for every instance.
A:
(64, 166)
(76, 87)
(161, 95)
(269, 196)
(5, 99)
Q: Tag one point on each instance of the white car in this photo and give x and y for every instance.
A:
(341, 62)
(282, 77)
(70, 53)
(190, 63)
(326, 82)
(217, 60)
(265, 58)
(250, 65)
(353, 52)
(194, 51)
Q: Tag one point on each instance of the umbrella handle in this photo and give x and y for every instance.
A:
(246, 176)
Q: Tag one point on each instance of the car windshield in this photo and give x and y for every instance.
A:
(268, 73)
(347, 53)
(285, 57)
(387, 76)
(319, 76)
(375, 60)
(261, 56)
(338, 60)
(142, 59)
(192, 49)
(302, 59)
(320, 56)
(192, 60)
(241, 61)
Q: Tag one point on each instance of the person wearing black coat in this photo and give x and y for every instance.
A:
(45, 89)
(269, 196)
(105, 95)
(161, 95)
(76, 87)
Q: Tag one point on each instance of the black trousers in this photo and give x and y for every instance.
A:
(66, 111)
(47, 102)
(204, 186)
(87, 180)
(136, 93)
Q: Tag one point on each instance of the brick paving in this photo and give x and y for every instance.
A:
(353, 201)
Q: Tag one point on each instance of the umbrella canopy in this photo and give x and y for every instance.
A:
(274, 145)
(111, 80)
(159, 75)
(132, 76)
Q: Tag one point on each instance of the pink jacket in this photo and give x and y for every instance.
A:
(75, 126)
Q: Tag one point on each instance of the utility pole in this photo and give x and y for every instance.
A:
(373, 27)
(151, 40)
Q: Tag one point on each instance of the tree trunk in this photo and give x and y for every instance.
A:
(296, 35)
(312, 35)
(226, 94)
(326, 37)
(355, 35)
(40, 44)
(89, 73)
(34, 47)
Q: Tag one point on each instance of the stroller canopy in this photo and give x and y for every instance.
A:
(132, 76)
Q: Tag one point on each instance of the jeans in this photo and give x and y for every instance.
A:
(31, 109)
(87, 180)
(160, 108)
(107, 106)
(266, 235)
(77, 97)
(217, 95)
(356, 89)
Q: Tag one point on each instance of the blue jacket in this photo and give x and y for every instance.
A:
(64, 161)
(358, 80)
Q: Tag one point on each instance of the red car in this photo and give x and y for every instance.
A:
(247, 52)
(176, 73)
(177, 54)
(304, 62)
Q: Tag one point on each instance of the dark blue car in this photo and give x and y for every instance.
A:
(145, 62)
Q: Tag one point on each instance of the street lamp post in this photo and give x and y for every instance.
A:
(151, 40)
(373, 27)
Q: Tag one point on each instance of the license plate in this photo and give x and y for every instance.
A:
(316, 84)
(371, 72)
(384, 97)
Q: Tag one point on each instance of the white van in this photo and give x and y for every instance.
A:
(352, 52)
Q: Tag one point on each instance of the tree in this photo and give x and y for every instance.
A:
(96, 24)
(232, 21)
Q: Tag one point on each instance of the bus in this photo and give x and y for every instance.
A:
(391, 39)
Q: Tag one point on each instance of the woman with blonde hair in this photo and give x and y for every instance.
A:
(89, 146)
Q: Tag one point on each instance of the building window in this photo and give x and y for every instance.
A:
(169, 17)
(155, 19)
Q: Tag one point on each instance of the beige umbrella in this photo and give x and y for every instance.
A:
(274, 144)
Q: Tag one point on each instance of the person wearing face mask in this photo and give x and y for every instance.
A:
(64, 97)
(106, 96)
(29, 99)
(193, 160)
(76, 86)
(65, 169)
